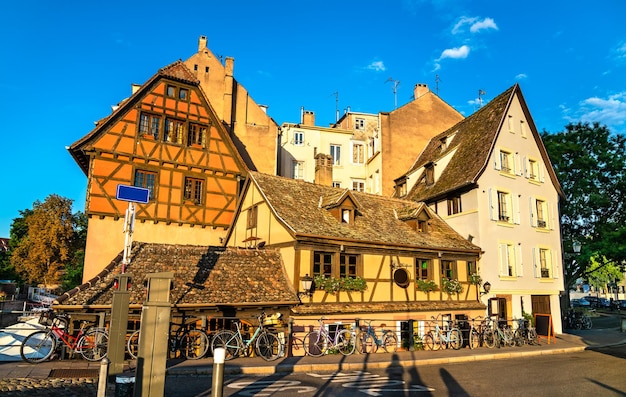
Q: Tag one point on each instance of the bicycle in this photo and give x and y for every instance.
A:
(525, 333)
(187, 342)
(266, 344)
(440, 338)
(317, 342)
(91, 342)
(368, 342)
(481, 335)
(504, 335)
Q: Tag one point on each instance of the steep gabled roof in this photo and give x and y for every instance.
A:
(297, 205)
(203, 276)
(176, 71)
(473, 143)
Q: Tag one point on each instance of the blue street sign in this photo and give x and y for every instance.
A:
(133, 194)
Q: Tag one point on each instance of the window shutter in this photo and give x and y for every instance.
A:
(516, 209)
(497, 160)
(204, 132)
(536, 263)
(556, 269)
(552, 215)
(540, 171)
(533, 211)
(518, 261)
(526, 167)
(518, 165)
(493, 204)
(503, 259)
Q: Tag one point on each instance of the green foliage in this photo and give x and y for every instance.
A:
(333, 285)
(601, 274)
(528, 317)
(47, 243)
(589, 162)
(426, 286)
(451, 287)
(475, 279)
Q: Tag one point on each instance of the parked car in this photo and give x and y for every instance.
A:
(620, 304)
(582, 302)
(598, 302)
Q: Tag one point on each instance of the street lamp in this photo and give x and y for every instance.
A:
(307, 283)
(576, 247)
(486, 288)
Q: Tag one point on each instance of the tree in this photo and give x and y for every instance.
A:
(42, 253)
(590, 162)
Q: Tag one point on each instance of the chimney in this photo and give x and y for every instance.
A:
(134, 88)
(323, 169)
(202, 43)
(308, 117)
(420, 89)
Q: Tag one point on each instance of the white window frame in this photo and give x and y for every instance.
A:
(359, 123)
(358, 153)
(507, 259)
(297, 169)
(358, 185)
(544, 264)
(335, 153)
(511, 210)
(298, 138)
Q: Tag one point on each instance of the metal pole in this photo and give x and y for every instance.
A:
(218, 372)
(102, 379)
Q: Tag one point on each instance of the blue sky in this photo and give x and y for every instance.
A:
(65, 63)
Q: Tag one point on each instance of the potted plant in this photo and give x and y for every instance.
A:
(333, 285)
(451, 287)
(426, 286)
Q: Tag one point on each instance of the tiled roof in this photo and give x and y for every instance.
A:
(297, 204)
(203, 276)
(473, 142)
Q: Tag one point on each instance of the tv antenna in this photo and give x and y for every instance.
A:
(480, 98)
(336, 94)
(437, 80)
(396, 83)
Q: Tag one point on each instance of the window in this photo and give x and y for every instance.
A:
(335, 153)
(422, 269)
(506, 162)
(252, 216)
(346, 216)
(522, 128)
(359, 124)
(471, 268)
(504, 209)
(173, 131)
(541, 209)
(145, 179)
(183, 94)
(534, 170)
(336, 184)
(544, 261)
(358, 185)
(194, 190)
(448, 270)
(171, 91)
(298, 169)
(358, 153)
(196, 135)
(454, 205)
(507, 259)
(149, 125)
(298, 138)
(430, 174)
(509, 122)
(401, 189)
(348, 265)
(422, 226)
(323, 264)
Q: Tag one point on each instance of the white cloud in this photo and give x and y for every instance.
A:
(455, 53)
(621, 51)
(521, 76)
(377, 66)
(475, 25)
(610, 111)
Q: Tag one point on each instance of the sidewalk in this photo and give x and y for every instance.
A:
(563, 343)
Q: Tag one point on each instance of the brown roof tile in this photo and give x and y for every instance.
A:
(208, 276)
(297, 203)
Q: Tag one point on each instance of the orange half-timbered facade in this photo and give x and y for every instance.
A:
(167, 138)
(389, 246)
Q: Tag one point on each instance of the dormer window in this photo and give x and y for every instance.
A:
(343, 207)
(346, 215)
(430, 173)
(444, 143)
(422, 222)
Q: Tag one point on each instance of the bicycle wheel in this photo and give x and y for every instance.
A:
(93, 346)
(431, 342)
(132, 345)
(489, 338)
(344, 342)
(390, 342)
(532, 336)
(268, 346)
(315, 344)
(587, 324)
(474, 339)
(227, 340)
(455, 339)
(194, 344)
(518, 338)
(38, 346)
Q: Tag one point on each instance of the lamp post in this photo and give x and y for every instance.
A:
(307, 283)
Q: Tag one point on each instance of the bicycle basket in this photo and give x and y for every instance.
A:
(274, 319)
(46, 318)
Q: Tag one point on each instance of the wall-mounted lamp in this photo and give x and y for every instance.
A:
(307, 283)
(486, 288)
(576, 246)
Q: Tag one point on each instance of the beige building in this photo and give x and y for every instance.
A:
(490, 178)
(367, 151)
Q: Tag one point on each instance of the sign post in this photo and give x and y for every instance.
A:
(132, 194)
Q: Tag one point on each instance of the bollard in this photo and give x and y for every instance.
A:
(218, 372)
(102, 379)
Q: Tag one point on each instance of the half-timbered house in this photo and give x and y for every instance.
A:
(167, 138)
(369, 255)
